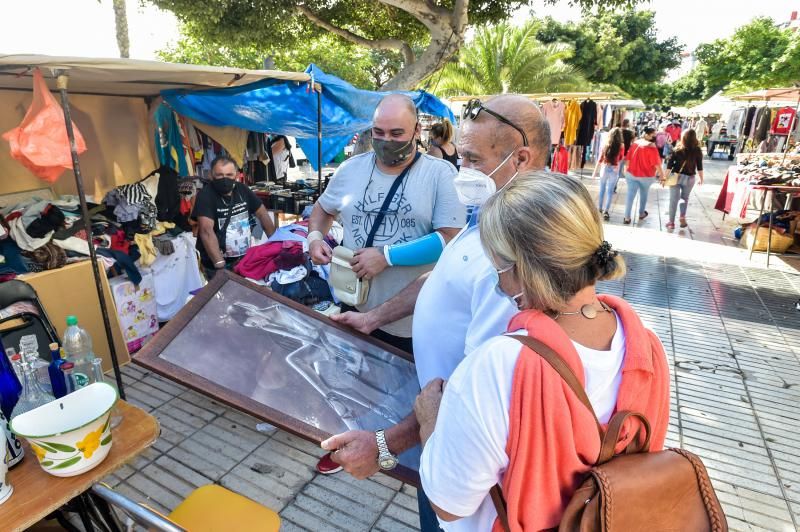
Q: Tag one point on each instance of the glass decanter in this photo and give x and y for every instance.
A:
(33, 395)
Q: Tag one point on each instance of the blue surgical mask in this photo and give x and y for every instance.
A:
(515, 300)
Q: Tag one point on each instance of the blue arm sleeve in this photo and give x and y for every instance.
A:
(424, 250)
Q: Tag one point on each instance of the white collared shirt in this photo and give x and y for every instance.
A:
(458, 308)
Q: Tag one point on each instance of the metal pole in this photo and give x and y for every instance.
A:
(319, 141)
(63, 80)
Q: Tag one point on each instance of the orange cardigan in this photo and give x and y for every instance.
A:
(553, 440)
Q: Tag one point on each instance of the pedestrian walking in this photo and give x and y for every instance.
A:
(644, 164)
(611, 156)
(687, 163)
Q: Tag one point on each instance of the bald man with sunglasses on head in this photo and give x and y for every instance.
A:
(456, 306)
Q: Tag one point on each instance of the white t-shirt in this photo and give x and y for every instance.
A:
(458, 308)
(425, 201)
(466, 455)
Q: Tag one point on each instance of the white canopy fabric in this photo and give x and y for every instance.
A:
(129, 77)
(716, 105)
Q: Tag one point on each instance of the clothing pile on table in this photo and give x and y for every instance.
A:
(282, 263)
(140, 228)
(770, 170)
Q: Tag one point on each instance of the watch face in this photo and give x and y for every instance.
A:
(388, 463)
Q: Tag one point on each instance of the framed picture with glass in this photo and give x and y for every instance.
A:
(250, 348)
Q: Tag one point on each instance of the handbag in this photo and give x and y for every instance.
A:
(347, 287)
(637, 490)
(672, 178)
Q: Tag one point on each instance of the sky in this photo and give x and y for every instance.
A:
(86, 27)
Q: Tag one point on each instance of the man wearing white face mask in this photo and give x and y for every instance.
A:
(458, 308)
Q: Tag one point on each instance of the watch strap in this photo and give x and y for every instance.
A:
(383, 448)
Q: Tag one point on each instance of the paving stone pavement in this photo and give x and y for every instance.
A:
(730, 329)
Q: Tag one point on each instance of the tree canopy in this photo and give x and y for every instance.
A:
(758, 55)
(503, 58)
(423, 34)
(616, 47)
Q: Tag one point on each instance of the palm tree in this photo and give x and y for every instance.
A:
(502, 59)
(121, 23)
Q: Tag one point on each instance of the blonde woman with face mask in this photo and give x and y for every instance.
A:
(505, 416)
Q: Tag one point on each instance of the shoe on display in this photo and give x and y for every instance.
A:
(327, 466)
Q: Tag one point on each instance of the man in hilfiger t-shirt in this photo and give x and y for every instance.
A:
(223, 212)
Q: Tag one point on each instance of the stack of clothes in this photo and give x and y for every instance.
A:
(282, 264)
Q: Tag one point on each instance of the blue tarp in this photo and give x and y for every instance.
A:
(290, 108)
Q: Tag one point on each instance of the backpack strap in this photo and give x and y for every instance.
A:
(563, 369)
(608, 438)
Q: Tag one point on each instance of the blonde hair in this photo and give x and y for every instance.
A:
(443, 130)
(547, 226)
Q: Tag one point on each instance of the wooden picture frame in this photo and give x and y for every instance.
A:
(341, 379)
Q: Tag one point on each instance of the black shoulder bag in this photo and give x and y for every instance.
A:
(389, 197)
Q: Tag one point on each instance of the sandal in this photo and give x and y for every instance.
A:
(670, 225)
(606, 216)
(683, 222)
(626, 221)
(643, 215)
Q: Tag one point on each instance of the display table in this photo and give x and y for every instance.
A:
(727, 145)
(38, 494)
(769, 190)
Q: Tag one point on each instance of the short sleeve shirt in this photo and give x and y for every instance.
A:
(425, 201)
(241, 205)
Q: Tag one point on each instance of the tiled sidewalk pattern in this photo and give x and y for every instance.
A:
(731, 333)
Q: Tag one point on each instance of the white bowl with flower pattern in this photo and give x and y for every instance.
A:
(70, 435)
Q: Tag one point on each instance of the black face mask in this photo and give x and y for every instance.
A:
(394, 152)
(223, 186)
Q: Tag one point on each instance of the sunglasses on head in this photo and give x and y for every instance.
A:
(473, 109)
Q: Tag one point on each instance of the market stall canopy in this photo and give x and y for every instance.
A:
(716, 105)
(130, 77)
(788, 94)
(274, 106)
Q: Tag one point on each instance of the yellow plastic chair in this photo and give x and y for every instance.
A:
(212, 508)
(209, 508)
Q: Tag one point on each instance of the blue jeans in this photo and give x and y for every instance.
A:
(637, 185)
(428, 522)
(608, 182)
(680, 191)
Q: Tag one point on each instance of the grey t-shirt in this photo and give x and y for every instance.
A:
(424, 202)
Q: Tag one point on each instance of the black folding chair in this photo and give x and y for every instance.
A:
(30, 319)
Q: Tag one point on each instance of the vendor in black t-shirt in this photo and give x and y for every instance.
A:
(223, 211)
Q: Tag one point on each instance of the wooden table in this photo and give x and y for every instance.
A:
(37, 494)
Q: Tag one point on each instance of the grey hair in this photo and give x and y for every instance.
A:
(546, 225)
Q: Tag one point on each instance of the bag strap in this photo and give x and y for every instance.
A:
(223, 231)
(389, 197)
(608, 438)
(561, 367)
(500, 505)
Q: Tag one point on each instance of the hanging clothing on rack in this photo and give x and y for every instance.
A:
(554, 113)
(587, 126)
(168, 140)
(572, 117)
(784, 120)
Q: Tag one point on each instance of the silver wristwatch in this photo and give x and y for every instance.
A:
(386, 460)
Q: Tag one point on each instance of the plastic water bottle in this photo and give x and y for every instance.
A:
(78, 350)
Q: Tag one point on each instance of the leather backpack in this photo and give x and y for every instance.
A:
(636, 490)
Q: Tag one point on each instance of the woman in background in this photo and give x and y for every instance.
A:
(610, 158)
(442, 145)
(687, 162)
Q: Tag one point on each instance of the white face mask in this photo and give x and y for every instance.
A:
(474, 187)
